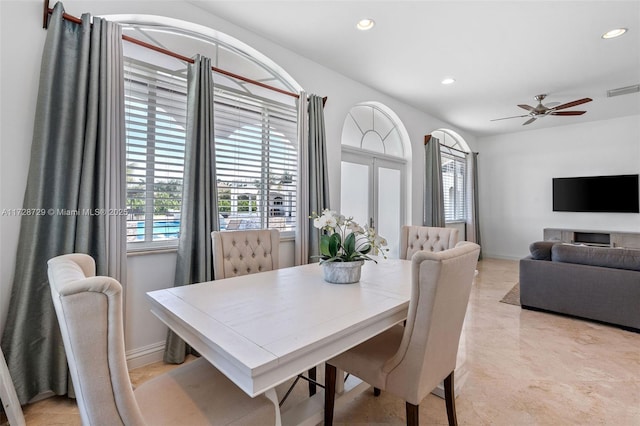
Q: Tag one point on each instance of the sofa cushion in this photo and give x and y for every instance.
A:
(541, 250)
(618, 258)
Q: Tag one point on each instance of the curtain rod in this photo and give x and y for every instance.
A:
(45, 25)
(454, 149)
(427, 138)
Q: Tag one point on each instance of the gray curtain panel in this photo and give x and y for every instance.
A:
(318, 173)
(67, 189)
(475, 206)
(302, 189)
(199, 215)
(433, 193)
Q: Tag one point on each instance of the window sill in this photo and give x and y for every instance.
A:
(287, 236)
(140, 248)
(148, 251)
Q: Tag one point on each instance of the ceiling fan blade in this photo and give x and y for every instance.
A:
(567, 112)
(571, 104)
(529, 121)
(507, 118)
(527, 107)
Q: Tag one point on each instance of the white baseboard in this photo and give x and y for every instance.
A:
(500, 256)
(145, 355)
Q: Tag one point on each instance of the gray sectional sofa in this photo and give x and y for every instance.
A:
(601, 284)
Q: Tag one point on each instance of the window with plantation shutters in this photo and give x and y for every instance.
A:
(155, 118)
(255, 147)
(256, 161)
(453, 183)
(255, 135)
(453, 155)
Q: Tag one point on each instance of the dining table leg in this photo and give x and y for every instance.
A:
(273, 397)
(329, 393)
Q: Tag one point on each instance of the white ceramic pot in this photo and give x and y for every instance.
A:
(342, 272)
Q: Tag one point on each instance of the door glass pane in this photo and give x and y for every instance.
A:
(354, 197)
(388, 208)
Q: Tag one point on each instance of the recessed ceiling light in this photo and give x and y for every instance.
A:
(448, 80)
(614, 33)
(365, 24)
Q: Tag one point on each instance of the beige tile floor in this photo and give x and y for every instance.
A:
(525, 368)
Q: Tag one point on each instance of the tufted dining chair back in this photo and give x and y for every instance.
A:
(244, 252)
(425, 238)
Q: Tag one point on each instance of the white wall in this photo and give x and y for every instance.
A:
(19, 69)
(515, 173)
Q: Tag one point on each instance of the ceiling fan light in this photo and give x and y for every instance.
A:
(365, 24)
(448, 80)
(617, 32)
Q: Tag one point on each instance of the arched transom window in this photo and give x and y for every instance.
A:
(369, 127)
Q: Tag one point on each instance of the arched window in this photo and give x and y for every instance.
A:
(453, 152)
(375, 148)
(255, 132)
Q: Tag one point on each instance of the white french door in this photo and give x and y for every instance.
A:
(372, 191)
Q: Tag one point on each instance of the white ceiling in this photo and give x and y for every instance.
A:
(501, 53)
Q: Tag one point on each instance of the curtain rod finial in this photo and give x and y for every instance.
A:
(427, 138)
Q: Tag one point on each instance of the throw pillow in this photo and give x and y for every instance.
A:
(541, 250)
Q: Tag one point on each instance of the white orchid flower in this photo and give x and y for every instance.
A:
(320, 222)
(354, 227)
(337, 225)
(330, 221)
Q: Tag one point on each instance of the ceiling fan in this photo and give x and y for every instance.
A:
(542, 111)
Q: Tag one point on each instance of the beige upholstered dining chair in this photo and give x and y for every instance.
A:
(244, 252)
(418, 238)
(89, 310)
(410, 361)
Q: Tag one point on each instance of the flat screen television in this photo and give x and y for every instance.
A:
(602, 194)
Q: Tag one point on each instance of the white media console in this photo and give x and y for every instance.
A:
(594, 238)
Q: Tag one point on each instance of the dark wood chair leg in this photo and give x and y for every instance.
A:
(312, 386)
(412, 414)
(450, 400)
(376, 391)
(329, 393)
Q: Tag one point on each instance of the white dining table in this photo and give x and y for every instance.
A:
(263, 329)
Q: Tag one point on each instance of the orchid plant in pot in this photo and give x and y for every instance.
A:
(345, 246)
